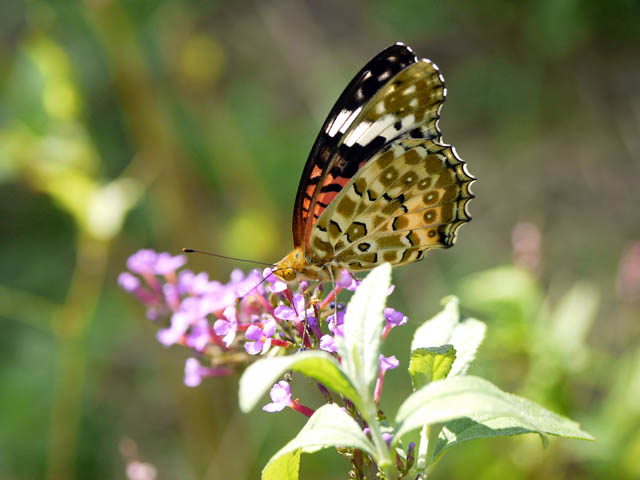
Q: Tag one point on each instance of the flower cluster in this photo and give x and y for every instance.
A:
(227, 325)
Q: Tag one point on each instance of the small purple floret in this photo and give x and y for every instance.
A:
(336, 328)
(128, 282)
(194, 372)
(261, 337)
(394, 318)
(199, 336)
(388, 363)
(226, 328)
(180, 323)
(166, 263)
(171, 296)
(280, 397)
(328, 344)
(142, 262)
(348, 281)
(295, 313)
(152, 314)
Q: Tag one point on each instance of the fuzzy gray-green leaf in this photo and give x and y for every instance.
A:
(429, 364)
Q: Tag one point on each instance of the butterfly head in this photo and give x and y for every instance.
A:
(288, 268)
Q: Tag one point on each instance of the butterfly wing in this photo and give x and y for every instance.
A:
(332, 162)
(410, 194)
(411, 197)
(380, 184)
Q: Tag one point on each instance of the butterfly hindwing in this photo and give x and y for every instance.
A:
(331, 163)
(411, 197)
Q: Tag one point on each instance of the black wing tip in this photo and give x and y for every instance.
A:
(398, 47)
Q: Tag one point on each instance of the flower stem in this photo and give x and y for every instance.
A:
(298, 407)
(383, 453)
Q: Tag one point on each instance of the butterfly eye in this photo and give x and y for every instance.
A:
(289, 274)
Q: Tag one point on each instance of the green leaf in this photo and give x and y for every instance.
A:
(465, 429)
(480, 401)
(438, 330)
(503, 289)
(445, 329)
(283, 467)
(329, 426)
(570, 324)
(259, 377)
(429, 364)
(363, 324)
(466, 339)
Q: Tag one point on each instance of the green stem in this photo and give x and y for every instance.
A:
(69, 325)
(383, 453)
(431, 434)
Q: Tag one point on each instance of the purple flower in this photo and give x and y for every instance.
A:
(189, 313)
(142, 262)
(215, 301)
(132, 284)
(280, 397)
(194, 372)
(261, 337)
(328, 344)
(236, 276)
(226, 328)
(191, 284)
(166, 264)
(348, 281)
(242, 286)
(199, 335)
(388, 363)
(171, 296)
(336, 327)
(206, 315)
(180, 323)
(312, 324)
(295, 314)
(152, 314)
(394, 318)
(128, 282)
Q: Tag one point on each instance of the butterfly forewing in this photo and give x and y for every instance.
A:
(331, 163)
(408, 104)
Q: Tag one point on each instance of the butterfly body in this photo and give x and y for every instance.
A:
(379, 184)
(296, 266)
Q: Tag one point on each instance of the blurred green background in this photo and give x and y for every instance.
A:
(163, 124)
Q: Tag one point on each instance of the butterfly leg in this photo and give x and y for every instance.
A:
(335, 294)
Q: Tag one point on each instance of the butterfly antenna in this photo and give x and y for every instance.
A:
(191, 250)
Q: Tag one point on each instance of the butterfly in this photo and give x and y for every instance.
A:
(379, 184)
